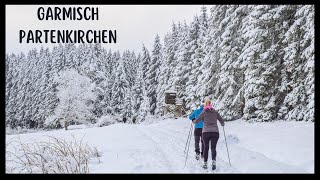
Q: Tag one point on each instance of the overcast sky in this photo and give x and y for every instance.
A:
(135, 24)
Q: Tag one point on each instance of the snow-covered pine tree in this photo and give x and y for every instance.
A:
(101, 81)
(145, 58)
(195, 55)
(114, 60)
(127, 111)
(14, 68)
(144, 109)
(229, 82)
(70, 59)
(185, 61)
(193, 85)
(261, 55)
(297, 77)
(51, 98)
(152, 74)
(210, 65)
(134, 64)
(9, 83)
(130, 66)
(168, 65)
(308, 55)
(57, 58)
(42, 89)
(98, 76)
(170, 53)
(120, 89)
(30, 106)
(146, 63)
(163, 74)
(137, 89)
(174, 80)
(16, 108)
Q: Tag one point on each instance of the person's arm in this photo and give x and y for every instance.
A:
(220, 119)
(192, 116)
(199, 118)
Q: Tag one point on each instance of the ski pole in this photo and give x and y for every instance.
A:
(188, 148)
(226, 145)
(188, 138)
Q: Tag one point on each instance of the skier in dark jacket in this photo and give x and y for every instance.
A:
(197, 132)
(210, 131)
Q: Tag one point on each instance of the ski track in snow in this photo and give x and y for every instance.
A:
(159, 148)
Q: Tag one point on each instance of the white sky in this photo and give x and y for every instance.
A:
(135, 24)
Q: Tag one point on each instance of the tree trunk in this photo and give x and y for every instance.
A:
(65, 124)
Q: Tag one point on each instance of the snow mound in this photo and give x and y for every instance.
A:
(79, 126)
(232, 139)
(105, 121)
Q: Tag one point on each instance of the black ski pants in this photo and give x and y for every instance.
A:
(210, 137)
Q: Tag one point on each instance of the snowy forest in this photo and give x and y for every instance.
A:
(255, 62)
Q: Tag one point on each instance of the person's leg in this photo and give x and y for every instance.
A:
(214, 140)
(206, 145)
(197, 140)
(209, 137)
(205, 137)
(202, 146)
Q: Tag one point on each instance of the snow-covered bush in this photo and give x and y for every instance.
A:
(52, 156)
(106, 120)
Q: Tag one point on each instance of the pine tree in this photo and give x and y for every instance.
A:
(185, 61)
(146, 61)
(167, 66)
(177, 39)
(193, 85)
(261, 54)
(298, 61)
(308, 54)
(228, 100)
(145, 58)
(179, 53)
(210, 65)
(128, 105)
(137, 89)
(111, 80)
(13, 80)
(144, 108)
(43, 89)
(152, 74)
(120, 89)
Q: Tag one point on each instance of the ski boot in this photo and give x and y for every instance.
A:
(205, 166)
(197, 156)
(213, 164)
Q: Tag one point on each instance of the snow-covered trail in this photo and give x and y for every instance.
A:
(151, 148)
(159, 148)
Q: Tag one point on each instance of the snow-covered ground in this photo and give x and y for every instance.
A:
(278, 147)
